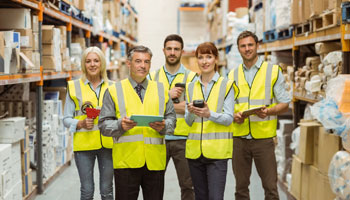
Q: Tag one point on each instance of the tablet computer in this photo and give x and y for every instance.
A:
(144, 120)
(251, 111)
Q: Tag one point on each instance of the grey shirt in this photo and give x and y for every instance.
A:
(224, 118)
(110, 125)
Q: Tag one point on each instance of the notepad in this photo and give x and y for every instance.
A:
(144, 120)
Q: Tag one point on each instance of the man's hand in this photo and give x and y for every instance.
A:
(200, 112)
(87, 123)
(262, 113)
(176, 92)
(158, 126)
(128, 124)
(239, 118)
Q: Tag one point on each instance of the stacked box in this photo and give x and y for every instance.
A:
(5, 167)
(10, 43)
(51, 39)
(310, 166)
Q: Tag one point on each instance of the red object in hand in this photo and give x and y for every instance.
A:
(92, 112)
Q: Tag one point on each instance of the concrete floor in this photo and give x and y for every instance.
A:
(67, 186)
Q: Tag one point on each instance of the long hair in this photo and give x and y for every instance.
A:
(102, 58)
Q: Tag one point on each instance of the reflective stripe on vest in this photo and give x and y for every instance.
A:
(139, 145)
(258, 127)
(206, 137)
(83, 139)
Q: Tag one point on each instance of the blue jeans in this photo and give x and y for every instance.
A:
(85, 162)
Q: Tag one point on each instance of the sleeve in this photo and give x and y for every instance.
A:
(281, 95)
(68, 118)
(170, 119)
(189, 117)
(108, 123)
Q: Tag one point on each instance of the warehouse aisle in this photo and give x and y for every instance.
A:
(66, 186)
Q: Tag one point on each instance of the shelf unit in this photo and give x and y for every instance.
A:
(41, 76)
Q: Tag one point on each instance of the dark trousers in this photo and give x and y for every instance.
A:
(263, 153)
(208, 177)
(176, 150)
(128, 182)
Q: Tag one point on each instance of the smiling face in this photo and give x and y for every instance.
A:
(206, 63)
(247, 47)
(139, 66)
(172, 52)
(93, 65)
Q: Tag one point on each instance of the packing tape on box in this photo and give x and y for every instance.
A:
(339, 174)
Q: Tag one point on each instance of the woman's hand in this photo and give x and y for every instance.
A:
(200, 112)
(87, 123)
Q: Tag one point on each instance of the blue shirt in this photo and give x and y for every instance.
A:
(281, 95)
(170, 79)
(69, 108)
(224, 118)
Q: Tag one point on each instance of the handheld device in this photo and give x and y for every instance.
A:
(182, 85)
(198, 103)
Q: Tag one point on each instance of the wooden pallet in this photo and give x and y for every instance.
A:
(302, 29)
(326, 20)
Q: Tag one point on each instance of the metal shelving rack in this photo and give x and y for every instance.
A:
(42, 76)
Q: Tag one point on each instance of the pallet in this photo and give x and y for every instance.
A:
(302, 29)
(122, 32)
(270, 36)
(285, 33)
(345, 12)
(78, 16)
(86, 20)
(326, 20)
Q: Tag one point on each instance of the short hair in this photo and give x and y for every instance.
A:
(174, 37)
(102, 58)
(245, 34)
(208, 48)
(140, 49)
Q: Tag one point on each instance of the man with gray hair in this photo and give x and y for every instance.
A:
(139, 153)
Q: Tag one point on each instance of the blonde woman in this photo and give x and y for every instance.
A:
(88, 143)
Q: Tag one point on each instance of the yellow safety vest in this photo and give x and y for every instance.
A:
(139, 145)
(206, 137)
(160, 76)
(83, 139)
(259, 94)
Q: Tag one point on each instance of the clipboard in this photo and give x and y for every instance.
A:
(251, 111)
(144, 120)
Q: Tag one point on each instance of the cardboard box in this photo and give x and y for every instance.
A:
(15, 18)
(52, 63)
(313, 182)
(5, 157)
(296, 11)
(27, 183)
(12, 129)
(324, 191)
(26, 40)
(15, 192)
(25, 161)
(35, 23)
(306, 10)
(318, 6)
(295, 189)
(305, 181)
(50, 34)
(306, 143)
(25, 140)
(35, 41)
(80, 4)
(16, 151)
(328, 145)
(48, 49)
(334, 4)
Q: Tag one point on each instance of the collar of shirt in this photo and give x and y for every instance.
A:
(134, 84)
(257, 65)
(88, 82)
(180, 71)
(214, 79)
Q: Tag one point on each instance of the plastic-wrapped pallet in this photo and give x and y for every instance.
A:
(283, 12)
(270, 14)
(259, 23)
(339, 175)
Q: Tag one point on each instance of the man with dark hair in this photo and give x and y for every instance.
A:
(174, 76)
(138, 151)
(261, 86)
